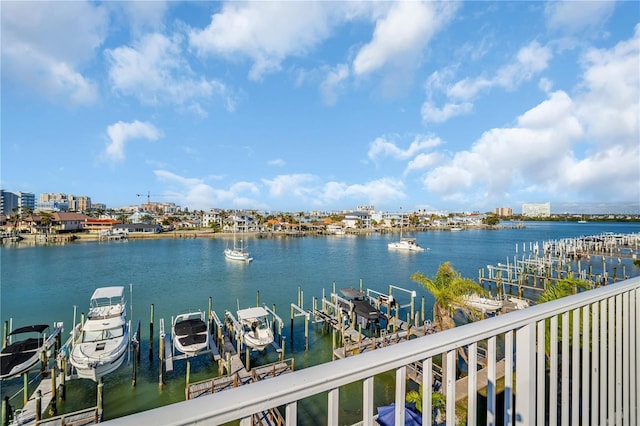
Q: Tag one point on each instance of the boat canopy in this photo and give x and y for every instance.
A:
(108, 292)
(38, 328)
(252, 313)
(352, 293)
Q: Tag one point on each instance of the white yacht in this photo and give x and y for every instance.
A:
(102, 342)
(406, 244)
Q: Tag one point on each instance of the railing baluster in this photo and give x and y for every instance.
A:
(541, 376)
(612, 361)
(564, 395)
(450, 375)
(427, 390)
(333, 405)
(626, 378)
(586, 366)
(291, 413)
(618, 363)
(367, 401)
(508, 378)
(595, 365)
(634, 348)
(491, 382)
(575, 369)
(553, 372)
(603, 362)
(472, 381)
(401, 390)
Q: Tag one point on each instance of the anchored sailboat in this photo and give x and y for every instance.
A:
(239, 250)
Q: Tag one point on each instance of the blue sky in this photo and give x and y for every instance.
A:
(324, 106)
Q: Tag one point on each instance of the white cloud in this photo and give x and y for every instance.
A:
(423, 162)
(276, 162)
(154, 71)
(47, 64)
(265, 32)
(401, 35)
(334, 83)
(295, 185)
(121, 133)
(377, 192)
(381, 147)
(584, 147)
(574, 16)
(610, 92)
(529, 61)
(432, 114)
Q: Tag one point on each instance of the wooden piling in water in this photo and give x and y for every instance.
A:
(5, 334)
(38, 405)
(63, 379)
(53, 409)
(25, 388)
(100, 403)
(151, 334)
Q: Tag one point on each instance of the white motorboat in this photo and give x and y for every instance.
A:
(19, 356)
(102, 343)
(190, 333)
(256, 327)
(483, 304)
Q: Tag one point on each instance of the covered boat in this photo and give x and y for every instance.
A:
(102, 343)
(19, 356)
(190, 333)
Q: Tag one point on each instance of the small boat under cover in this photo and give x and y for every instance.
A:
(191, 333)
(20, 356)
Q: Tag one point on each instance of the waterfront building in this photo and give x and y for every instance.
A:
(536, 210)
(8, 201)
(503, 211)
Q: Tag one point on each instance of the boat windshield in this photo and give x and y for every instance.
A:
(98, 335)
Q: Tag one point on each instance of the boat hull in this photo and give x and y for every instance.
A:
(237, 255)
(97, 369)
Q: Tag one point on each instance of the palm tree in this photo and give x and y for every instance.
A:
(448, 289)
(438, 402)
(562, 288)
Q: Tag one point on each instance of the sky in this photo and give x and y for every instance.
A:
(301, 106)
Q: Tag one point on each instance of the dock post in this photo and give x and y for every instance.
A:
(53, 409)
(38, 405)
(25, 388)
(188, 370)
(151, 334)
(5, 411)
(306, 332)
(284, 345)
(5, 334)
(136, 350)
(334, 287)
(63, 379)
(360, 285)
(257, 298)
(395, 324)
(161, 355)
(422, 317)
(100, 390)
(333, 344)
(247, 358)
(413, 309)
(291, 322)
(299, 296)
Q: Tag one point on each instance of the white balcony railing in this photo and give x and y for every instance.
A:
(586, 374)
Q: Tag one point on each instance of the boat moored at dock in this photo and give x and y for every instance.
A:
(19, 356)
(102, 343)
(256, 327)
(190, 333)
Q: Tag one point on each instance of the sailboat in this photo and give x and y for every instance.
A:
(239, 250)
(406, 243)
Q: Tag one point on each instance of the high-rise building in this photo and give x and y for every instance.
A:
(503, 211)
(536, 210)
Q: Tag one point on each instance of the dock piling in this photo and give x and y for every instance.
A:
(38, 405)
(151, 334)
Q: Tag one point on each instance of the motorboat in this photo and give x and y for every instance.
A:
(190, 333)
(483, 304)
(365, 313)
(256, 327)
(103, 339)
(408, 244)
(19, 356)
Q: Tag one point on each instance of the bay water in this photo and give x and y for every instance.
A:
(42, 284)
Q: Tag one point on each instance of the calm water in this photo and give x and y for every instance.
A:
(41, 284)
